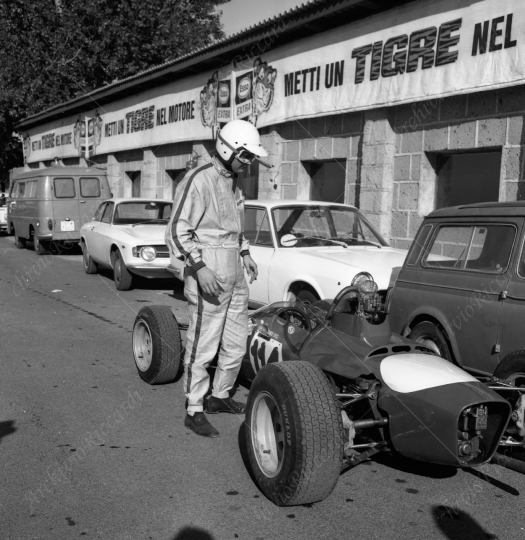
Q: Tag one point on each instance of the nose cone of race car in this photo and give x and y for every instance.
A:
(414, 372)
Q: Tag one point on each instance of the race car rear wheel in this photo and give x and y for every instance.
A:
(294, 433)
(428, 334)
(157, 345)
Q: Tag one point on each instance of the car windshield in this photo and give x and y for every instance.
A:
(144, 212)
(324, 226)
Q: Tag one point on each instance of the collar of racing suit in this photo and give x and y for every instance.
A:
(222, 169)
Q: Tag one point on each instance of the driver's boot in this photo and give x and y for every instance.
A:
(199, 424)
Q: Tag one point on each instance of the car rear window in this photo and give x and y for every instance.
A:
(90, 187)
(479, 248)
(418, 245)
(64, 188)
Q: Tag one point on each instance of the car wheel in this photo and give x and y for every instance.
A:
(431, 336)
(90, 266)
(39, 247)
(122, 276)
(294, 433)
(20, 242)
(307, 297)
(157, 346)
(512, 370)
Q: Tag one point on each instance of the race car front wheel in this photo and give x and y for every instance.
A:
(294, 433)
(157, 346)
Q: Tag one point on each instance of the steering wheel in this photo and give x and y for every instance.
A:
(292, 314)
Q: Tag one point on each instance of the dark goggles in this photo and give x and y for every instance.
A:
(244, 156)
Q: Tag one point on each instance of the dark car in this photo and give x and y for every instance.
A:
(461, 291)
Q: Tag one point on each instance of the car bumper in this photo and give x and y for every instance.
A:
(152, 272)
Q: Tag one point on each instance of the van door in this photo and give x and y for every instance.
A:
(90, 197)
(65, 208)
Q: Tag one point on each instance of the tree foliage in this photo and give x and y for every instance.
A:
(54, 50)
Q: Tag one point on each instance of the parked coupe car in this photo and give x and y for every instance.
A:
(3, 213)
(308, 250)
(127, 235)
(331, 385)
(461, 292)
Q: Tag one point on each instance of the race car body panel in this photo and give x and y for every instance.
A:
(413, 372)
(457, 424)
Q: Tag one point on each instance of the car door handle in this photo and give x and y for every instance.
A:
(82, 201)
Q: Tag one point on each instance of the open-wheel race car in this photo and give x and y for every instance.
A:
(331, 385)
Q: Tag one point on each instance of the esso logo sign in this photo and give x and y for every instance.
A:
(224, 94)
(245, 85)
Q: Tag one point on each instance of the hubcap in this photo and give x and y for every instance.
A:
(142, 345)
(267, 434)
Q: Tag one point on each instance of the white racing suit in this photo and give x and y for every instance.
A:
(206, 228)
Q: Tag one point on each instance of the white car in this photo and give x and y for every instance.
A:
(127, 235)
(3, 213)
(309, 250)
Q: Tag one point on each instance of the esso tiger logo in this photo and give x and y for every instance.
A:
(244, 88)
(224, 94)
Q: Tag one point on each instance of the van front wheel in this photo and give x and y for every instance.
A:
(20, 242)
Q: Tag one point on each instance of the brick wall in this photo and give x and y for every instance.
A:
(485, 120)
(292, 145)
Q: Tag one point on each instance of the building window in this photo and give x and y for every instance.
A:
(467, 178)
(327, 180)
(134, 177)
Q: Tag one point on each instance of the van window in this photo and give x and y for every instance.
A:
(30, 190)
(21, 189)
(64, 188)
(89, 187)
(482, 248)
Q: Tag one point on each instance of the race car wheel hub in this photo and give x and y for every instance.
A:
(142, 345)
(267, 434)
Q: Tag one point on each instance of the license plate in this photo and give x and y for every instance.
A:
(67, 225)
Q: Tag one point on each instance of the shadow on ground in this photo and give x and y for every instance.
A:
(7, 428)
(193, 533)
(458, 525)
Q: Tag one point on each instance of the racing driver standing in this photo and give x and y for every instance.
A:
(206, 229)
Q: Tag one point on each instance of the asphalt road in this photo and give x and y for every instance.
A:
(90, 451)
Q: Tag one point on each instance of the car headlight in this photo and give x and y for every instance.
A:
(148, 253)
(360, 277)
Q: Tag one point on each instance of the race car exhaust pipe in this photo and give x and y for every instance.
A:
(362, 424)
(509, 463)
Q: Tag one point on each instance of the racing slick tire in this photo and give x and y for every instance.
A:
(428, 334)
(121, 275)
(294, 433)
(157, 345)
(90, 266)
(512, 369)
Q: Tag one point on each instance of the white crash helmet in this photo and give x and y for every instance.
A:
(236, 136)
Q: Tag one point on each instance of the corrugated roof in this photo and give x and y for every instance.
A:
(307, 19)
